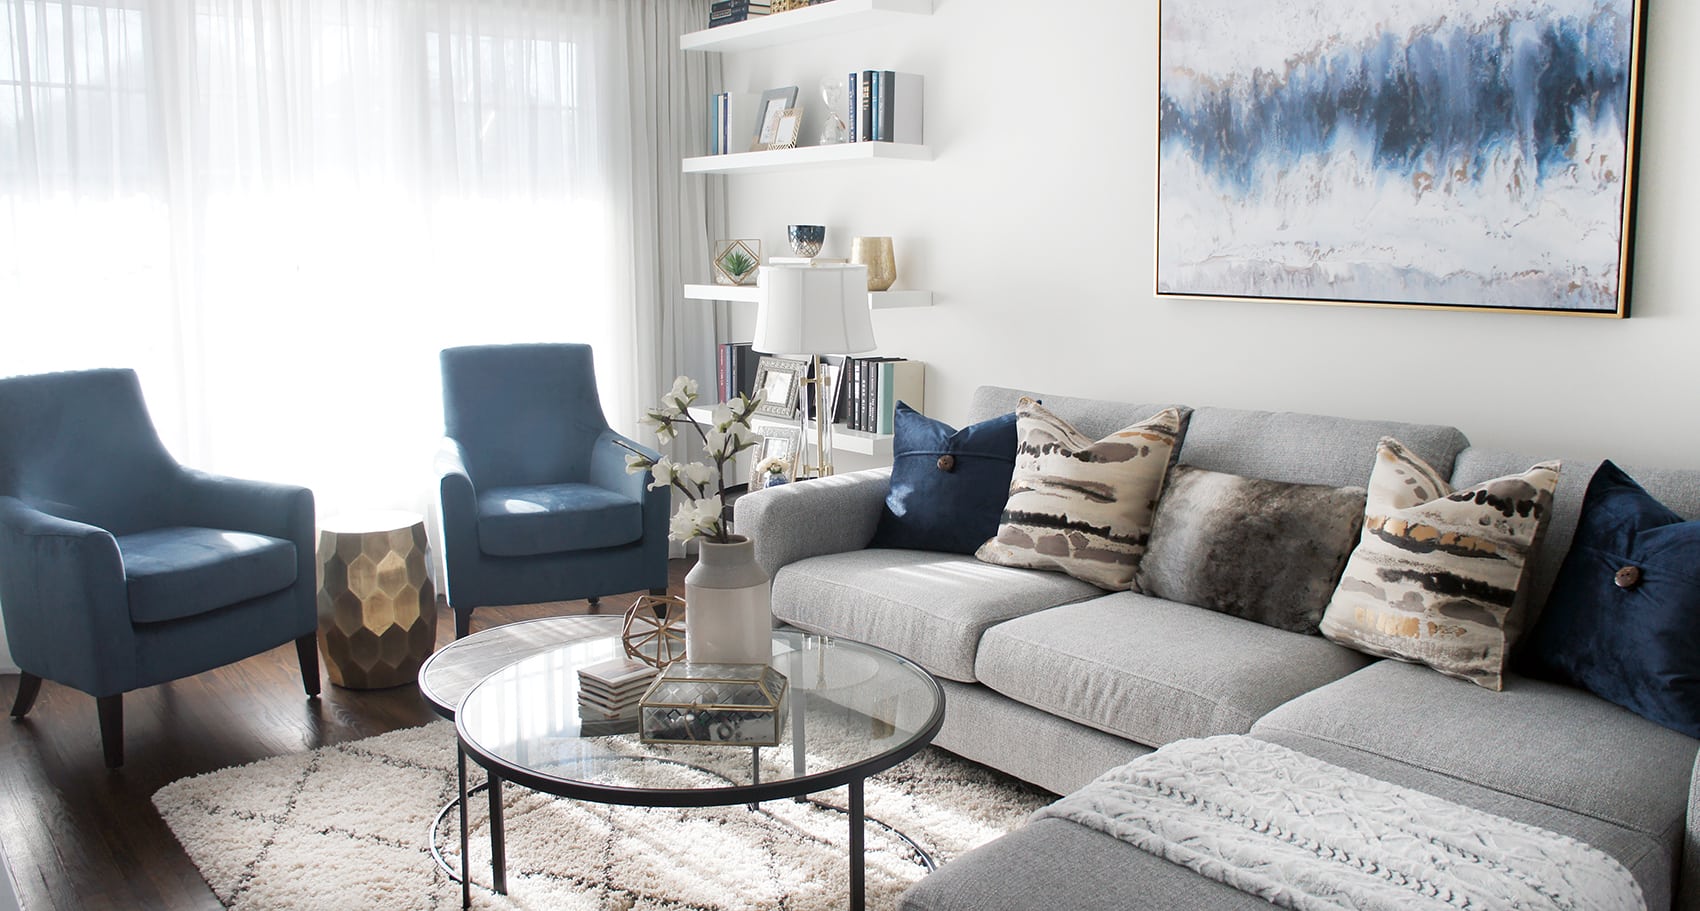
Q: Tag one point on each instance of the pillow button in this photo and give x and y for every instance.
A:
(1628, 577)
(947, 462)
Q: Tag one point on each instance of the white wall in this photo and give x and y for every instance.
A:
(1034, 228)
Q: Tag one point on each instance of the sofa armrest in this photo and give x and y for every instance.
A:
(260, 507)
(66, 605)
(1688, 898)
(812, 518)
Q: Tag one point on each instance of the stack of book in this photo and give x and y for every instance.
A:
(735, 370)
(732, 122)
(609, 691)
(886, 106)
(726, 12)
(873, 388)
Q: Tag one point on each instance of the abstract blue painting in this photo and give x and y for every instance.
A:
(1439, 153)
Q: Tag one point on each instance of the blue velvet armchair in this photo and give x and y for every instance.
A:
(119, 568)
(537, 505)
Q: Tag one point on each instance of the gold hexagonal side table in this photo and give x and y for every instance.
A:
(377, 607)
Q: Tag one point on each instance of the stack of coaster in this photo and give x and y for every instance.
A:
(610, 690)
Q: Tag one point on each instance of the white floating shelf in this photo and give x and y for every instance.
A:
(819, 21)
(807, 156)
(744, 293)
(750, 294)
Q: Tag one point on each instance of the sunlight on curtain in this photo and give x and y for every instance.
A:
(279, 212)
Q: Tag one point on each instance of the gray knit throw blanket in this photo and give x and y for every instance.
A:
(1304, 834)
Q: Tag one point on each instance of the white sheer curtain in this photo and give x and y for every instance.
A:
(278, 211)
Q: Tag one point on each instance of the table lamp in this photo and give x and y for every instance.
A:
(811, 311)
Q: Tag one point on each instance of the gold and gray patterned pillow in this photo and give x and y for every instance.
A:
(1080, 506)
(1438, 576)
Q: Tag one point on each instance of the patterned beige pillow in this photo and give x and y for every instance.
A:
(1083, 507)
(1438, 577)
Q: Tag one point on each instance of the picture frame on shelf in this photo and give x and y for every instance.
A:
(780, 380)
(736, 262)
(774, 104)
(790, 125)
(778, 441)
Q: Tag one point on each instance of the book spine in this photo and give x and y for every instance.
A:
(865, 107)
(850, 119)
(886, 404)
(887, 106)
(720, 371)
(856, 385)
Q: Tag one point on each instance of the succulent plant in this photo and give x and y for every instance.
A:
(737, 264)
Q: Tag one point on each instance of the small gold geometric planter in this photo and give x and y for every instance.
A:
(654, 631)
(736, 262)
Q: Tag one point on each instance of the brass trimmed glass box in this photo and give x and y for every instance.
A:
(736, 704)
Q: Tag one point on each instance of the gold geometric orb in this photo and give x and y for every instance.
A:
(654, 631)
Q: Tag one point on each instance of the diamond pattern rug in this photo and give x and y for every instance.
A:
(347, 826)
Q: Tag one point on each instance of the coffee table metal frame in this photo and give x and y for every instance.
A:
(853, 775)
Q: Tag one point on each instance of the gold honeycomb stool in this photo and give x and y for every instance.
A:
(377, 607)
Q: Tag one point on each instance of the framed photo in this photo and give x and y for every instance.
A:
(778, 441)
(780, 379)
(774, 104)
(1443, 155)
(785, 136)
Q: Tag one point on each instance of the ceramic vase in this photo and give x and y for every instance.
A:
(728, 605)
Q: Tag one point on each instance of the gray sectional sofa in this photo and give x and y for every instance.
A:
(1055, 681)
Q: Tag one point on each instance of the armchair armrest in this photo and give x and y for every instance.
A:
(66, 606)
(1688, 898)
(260, 507)
(608, 465)
(813, 518)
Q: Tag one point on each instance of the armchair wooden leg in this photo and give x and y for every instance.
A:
(659, 592)
(112, 728)
(29, 687)
(595, 604)
(307, 652)
(463, 622)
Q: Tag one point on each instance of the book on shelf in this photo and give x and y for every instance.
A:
(876, 386)
(732, 121)
(887, 106)
(726, 12)
(735, 370)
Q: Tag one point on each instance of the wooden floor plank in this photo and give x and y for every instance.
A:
(76, 835)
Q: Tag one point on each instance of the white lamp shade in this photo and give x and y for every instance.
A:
(813, 310)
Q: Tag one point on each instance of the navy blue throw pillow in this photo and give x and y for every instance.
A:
(1623, 621)
(948, 486)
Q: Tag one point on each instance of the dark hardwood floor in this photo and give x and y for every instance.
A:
(76, 835)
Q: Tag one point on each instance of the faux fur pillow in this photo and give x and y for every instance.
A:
(1079, 506)
(1439, 576)
(1260, 550)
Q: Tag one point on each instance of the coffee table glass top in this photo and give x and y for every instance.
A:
(852, 710)
(457, 667)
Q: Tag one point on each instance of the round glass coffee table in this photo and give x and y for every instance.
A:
(852, 710)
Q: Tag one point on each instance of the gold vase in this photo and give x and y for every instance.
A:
(875, 253)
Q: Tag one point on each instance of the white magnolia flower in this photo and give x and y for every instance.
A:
(698, 474)
(656, 422)
(698, 517)
(664, 472)
(636, 463)
(680, 397)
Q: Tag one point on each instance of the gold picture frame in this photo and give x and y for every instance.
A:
(786, 131)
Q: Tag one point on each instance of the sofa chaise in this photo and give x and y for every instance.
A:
(1055, 681)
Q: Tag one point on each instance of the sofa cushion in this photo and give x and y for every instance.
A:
(1081, 506)
(1152, 670)
(550, 518)
(1538, 741)
(1264, 551)
(1624, 618)
(1439, 576)
(928, 607)
(948, 486)
(1678, 489)
(172, 573)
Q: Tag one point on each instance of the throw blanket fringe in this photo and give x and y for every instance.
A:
(1304, 834)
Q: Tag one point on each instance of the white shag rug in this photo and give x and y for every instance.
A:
(347, 826)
